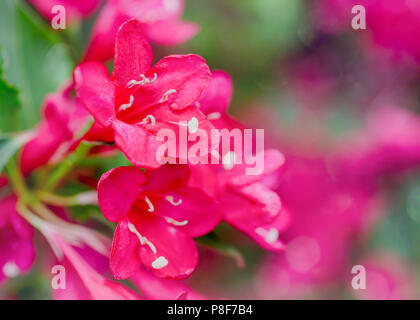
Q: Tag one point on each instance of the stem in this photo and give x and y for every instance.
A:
(67, 165)
(18, 182)
(84, 198)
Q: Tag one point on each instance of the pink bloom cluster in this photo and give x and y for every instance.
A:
(170, 204)
(158, 209)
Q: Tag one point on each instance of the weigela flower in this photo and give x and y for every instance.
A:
(75, 9)
(63, 118)
(139, 100)
(248, 202)
(158, 215)
(17, 252)
(159, 21)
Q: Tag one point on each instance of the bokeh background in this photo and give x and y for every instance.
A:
(341, 104)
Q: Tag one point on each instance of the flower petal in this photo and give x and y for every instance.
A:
(102, 42)
(170, 32)
(218, 95)
(118, 189)
(250, 207)
(96, 91)
(167, 251)
(133, 54)
(138, 145)
(124, 257)
(190, 210)
(163, 289)
(179, 83)
(51, 133)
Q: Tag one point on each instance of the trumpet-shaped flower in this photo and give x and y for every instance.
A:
(139, 100)
(158, 215)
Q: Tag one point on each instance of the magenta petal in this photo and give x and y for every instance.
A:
(179, 83)
(133, 54)
(218, 95)
(96, 91)
(51, 133)
(170, 32)
(167, 177)
(163, 289)
(267, 236)
(124, 258)
(167, 251)
(117, 191)
(138, 145)
(190, 210)
(250, 207)
(102, 43)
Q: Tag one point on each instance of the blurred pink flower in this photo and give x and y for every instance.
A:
(160, 21)
(157, 216)
(326, 217)
(388, 144)
(63, 118)
(140, 100)
(391, 24)
(17, 252)
(75, 9)
(248, 202)
(166, 289)
(387, 278)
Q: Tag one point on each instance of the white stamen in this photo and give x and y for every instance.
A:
(166, 95)
(127, 105)
(143, 81)
(198, 105)
(193, 125)
(171, 200)
(150, 204)
(10, 269)
(229, 160)
(270, 236)
(150, 119)
(214, 116)
(160, 263)
(143, 240)
(176, 222)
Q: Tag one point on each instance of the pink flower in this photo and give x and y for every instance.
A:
(17, 252)
(75, 9)
(159, 21)
(139, 100)
(387, 278)
(82, 279)
(248, 201)
(326, 215)
(157, 216)
(391, 24)
(63, 117)
(373, 151)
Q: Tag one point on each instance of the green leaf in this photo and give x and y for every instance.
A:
(10, 145)
(9, 105)
(35, 61)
